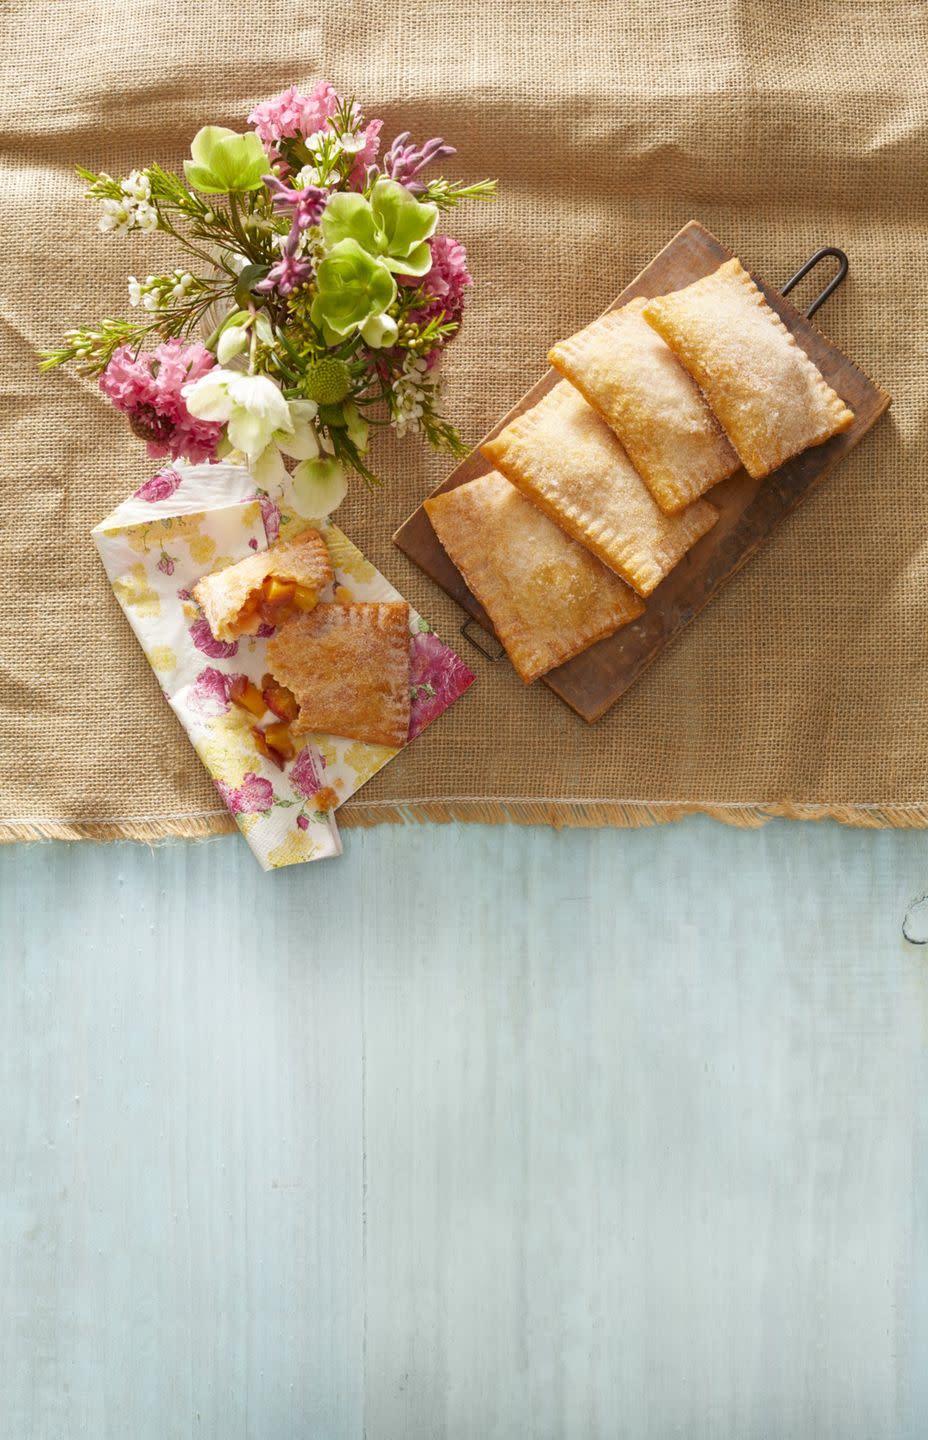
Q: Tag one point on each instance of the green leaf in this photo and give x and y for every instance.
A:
(249, 277)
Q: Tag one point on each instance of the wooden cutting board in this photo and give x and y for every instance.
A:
(749, 509)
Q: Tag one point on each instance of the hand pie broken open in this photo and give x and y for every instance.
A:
(771, 400)
(265, 589)
(629, 375)
(566, 459)
(348, 666)
(547, 596)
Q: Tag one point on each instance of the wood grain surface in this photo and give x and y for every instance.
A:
(474, 1134)
(750, 509)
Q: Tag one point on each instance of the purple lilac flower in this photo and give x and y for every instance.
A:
(307, 205)
(290, 271)
(403, 161)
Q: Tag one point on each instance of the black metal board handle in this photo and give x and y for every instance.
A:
(810, 264)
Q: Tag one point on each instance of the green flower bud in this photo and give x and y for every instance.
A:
(328, 381)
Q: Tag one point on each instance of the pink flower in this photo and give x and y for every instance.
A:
(270, 514)
(444, 282)
(302, 822)
(166, 565)
(291, 114)
(203, 638)
(254, 796)
(304, 776)
(436, 678)
(147, 389)
(209, 693)
(159, 487)
(371, 137)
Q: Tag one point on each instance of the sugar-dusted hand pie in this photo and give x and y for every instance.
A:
(348, 668)
(547, 596)
(265, 589)
(770, 399)
(630, 376)
(565, 459)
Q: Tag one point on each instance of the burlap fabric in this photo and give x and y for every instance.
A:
(803, 689)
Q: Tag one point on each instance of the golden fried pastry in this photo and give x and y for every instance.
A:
(348, 666)
(265, 589)
(547, 596)
(623, 368)
(769, 398)
(565, 459)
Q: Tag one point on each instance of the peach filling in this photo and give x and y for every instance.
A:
(275, 601)
(275, 741)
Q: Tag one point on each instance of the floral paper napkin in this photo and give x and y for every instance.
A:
(192, 519)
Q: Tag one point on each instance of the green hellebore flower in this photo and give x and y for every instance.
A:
(393, 225)
(225, 163)
(352, 287)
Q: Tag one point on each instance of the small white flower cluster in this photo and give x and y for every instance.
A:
(310, 245)
(326, 147)
(133, 209)
(158, 292)
(409, 395)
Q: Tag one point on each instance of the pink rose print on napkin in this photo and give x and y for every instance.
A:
(203, 639)
(270, 514)
(166, 564)
(159, 487)
(209, 693)
(254, 796)
(436, 677)
(304, 777)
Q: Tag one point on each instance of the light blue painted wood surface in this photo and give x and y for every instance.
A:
(473, 1133)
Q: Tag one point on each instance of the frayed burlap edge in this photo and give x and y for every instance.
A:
(557, 815)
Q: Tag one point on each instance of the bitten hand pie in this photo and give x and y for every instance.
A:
(567, 460)
(348, 666)
(770, 399)
(265, 589)
(624, 369)
(547, 596)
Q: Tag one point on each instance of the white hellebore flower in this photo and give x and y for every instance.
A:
(301, 443)
(250, 406)
(318, 487)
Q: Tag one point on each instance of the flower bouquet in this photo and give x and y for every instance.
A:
(323, 282)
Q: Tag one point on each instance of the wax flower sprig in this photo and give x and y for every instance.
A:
(319, 285)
